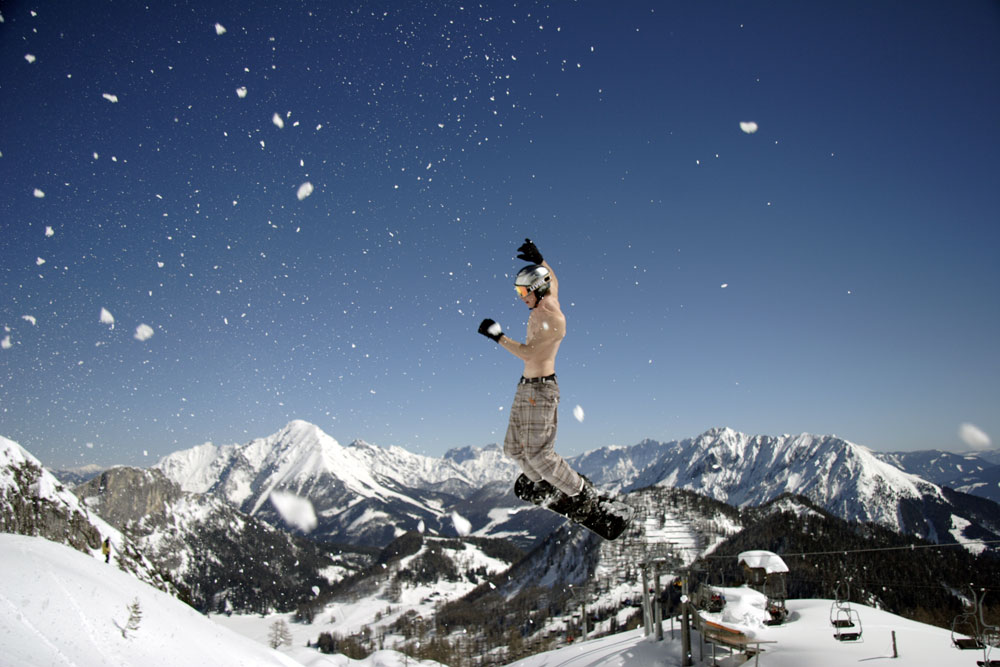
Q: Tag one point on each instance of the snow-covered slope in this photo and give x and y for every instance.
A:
(806, 640)
(33, 502)
(61, 607)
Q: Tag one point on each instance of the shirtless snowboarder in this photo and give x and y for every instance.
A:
(531, 433)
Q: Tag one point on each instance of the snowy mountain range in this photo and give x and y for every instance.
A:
(361, 494)
(846, 479)
(370, 493)
(977, 473)
(366, 494)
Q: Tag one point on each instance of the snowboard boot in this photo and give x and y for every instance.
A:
(533, 492)
(585, 502)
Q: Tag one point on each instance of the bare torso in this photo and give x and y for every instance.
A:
(546, 330)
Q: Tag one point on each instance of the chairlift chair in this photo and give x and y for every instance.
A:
(989, 635)
(845, 620)
(965, 632)
(777, 612)
(847, 626)
(840, 610)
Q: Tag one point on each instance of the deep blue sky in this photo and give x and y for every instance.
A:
(835, 272)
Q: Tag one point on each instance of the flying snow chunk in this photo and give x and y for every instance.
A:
(495, 329)
(30, 319)
(5, 343)
(38, 194)
(748, 126)
(724, 285)
(462, 525)
(39, 261)
(110, 98)
(296, 511)
(241, 92)
(49, 232)
(107, 318)
(220, 29)
(305, 190)
(578, 413)
(29, 57)
(974, 436)
(278, 121)
(143, 332)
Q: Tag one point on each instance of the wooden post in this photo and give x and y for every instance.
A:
(894, 653)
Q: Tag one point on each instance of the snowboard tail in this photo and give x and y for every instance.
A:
(605, 516)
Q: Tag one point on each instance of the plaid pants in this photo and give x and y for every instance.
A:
(531, 436)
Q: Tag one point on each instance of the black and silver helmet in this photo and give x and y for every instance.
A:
(533, 278)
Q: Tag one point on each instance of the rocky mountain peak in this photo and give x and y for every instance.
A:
(125, 495)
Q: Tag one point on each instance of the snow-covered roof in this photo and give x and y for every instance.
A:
(770, 561)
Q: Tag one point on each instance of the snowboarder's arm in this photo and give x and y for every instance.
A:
(518, 349)
(553, 282)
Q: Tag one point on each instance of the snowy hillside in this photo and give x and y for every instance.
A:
(64, 608)
(385, 607)
(806, 639)
(33, 502)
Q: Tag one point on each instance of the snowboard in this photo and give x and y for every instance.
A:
(608, 518)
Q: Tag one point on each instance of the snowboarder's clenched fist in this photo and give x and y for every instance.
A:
(490, 329)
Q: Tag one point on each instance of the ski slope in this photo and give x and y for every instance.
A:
(806, 639)
(59, 606)
(62, 607)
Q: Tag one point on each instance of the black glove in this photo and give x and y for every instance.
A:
(529, 252)
(490, 329)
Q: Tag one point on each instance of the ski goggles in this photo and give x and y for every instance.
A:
(522, 290)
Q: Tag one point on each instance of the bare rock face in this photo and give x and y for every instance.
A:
(33, 503)
(125, 496)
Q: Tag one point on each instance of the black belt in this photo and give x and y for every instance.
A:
(547, 378)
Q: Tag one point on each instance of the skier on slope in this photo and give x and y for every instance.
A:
(531, 433)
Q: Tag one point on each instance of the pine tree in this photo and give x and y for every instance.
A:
(134, 618)
(280, 634)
